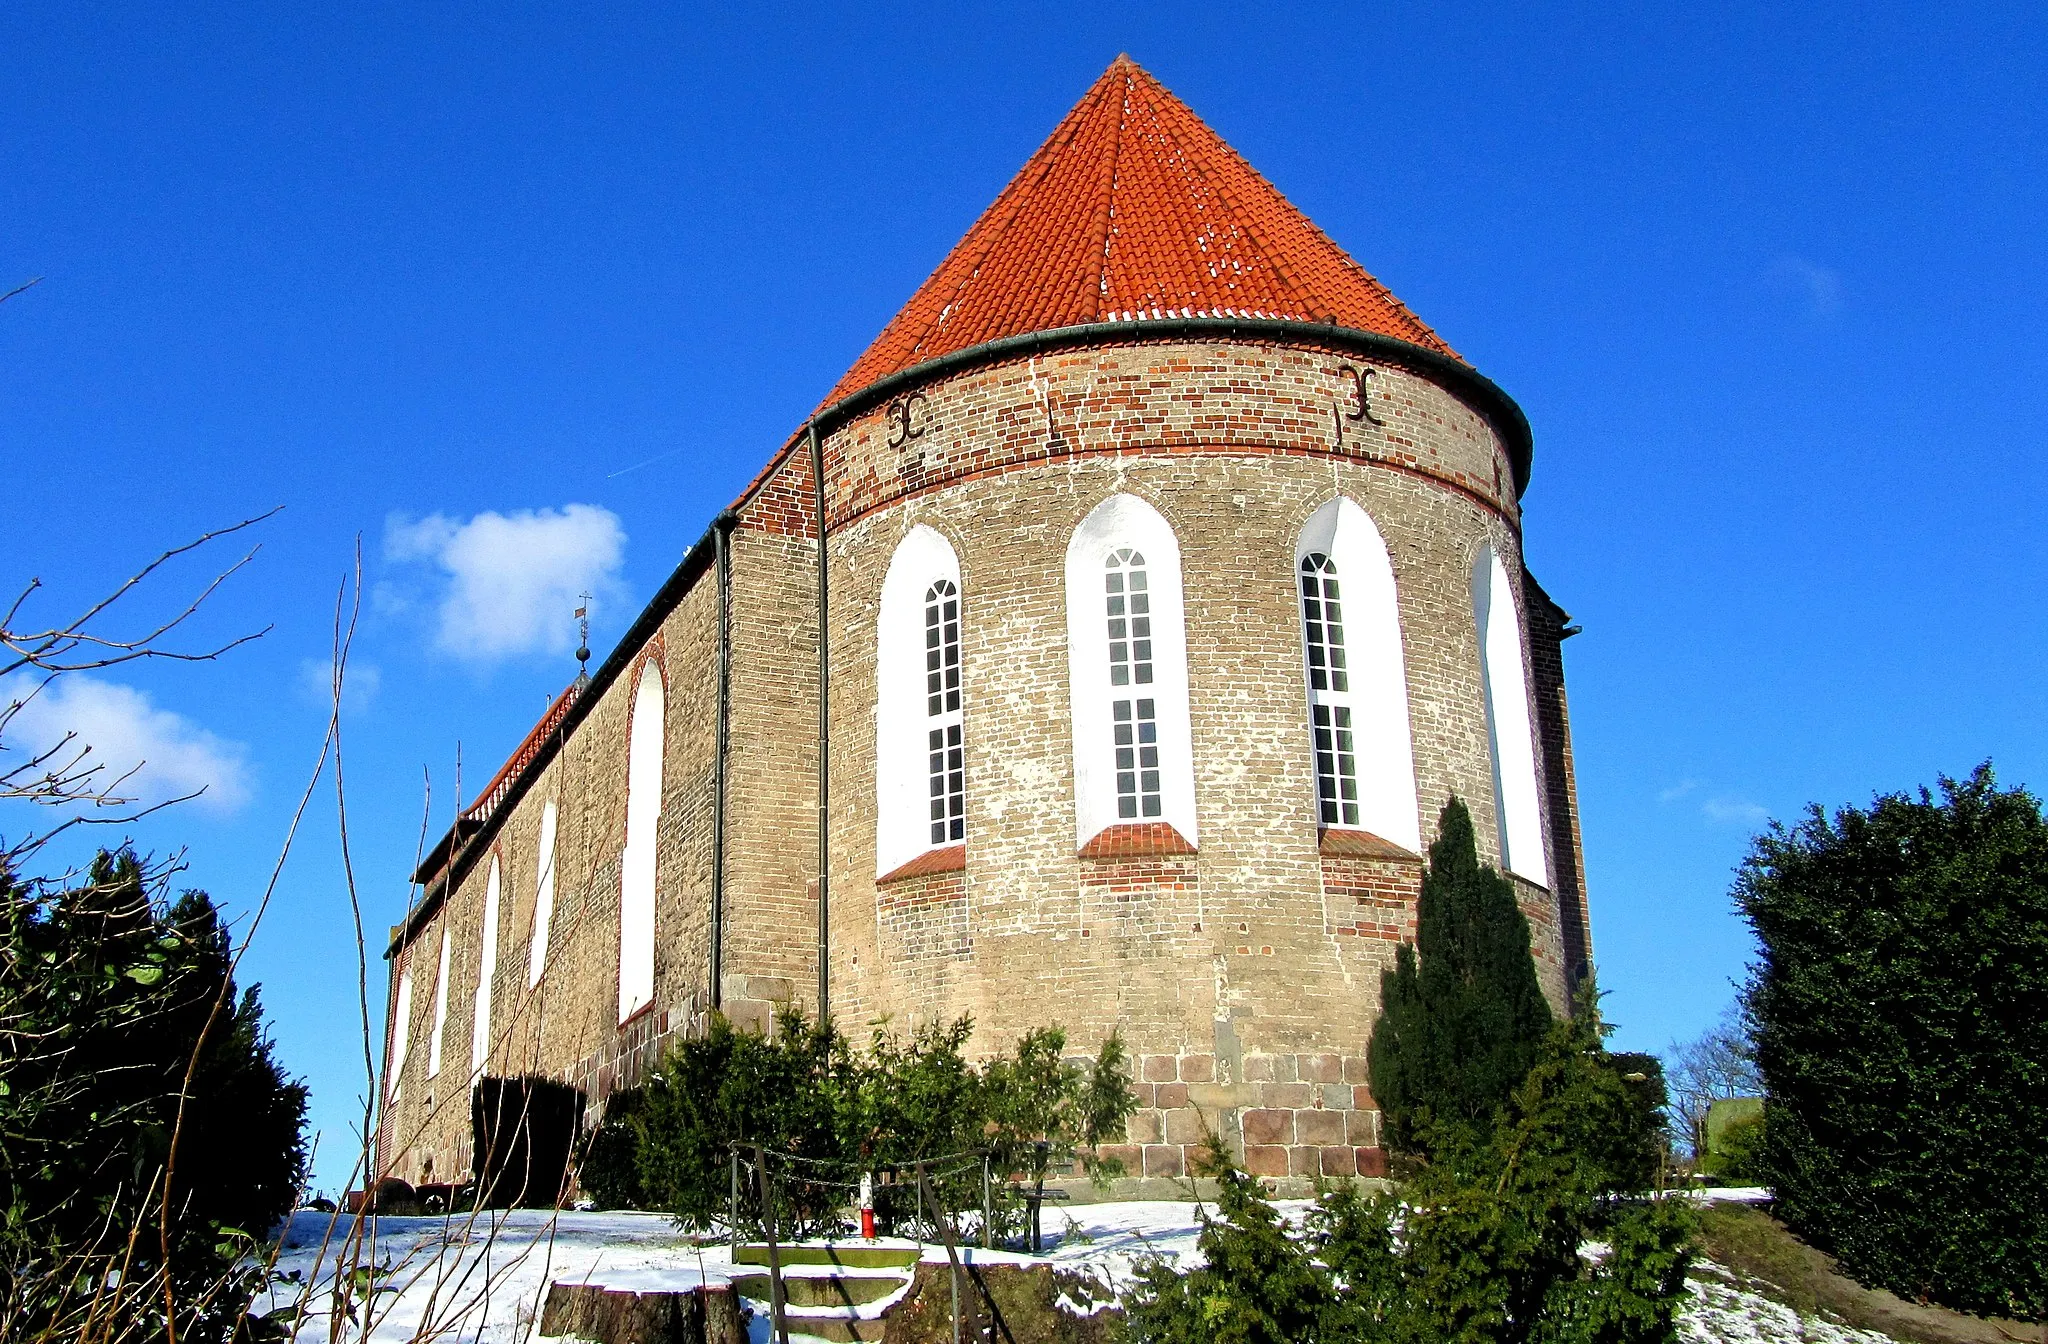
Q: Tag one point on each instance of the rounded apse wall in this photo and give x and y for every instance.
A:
(1231, 921)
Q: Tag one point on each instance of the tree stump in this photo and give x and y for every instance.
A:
(709, 1314)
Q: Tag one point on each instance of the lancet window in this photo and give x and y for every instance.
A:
(1360, 746)
(920, 704)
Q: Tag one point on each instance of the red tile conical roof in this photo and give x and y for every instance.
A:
(1133, 209)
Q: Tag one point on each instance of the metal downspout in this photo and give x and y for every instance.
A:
(824, 737)
(721, 532)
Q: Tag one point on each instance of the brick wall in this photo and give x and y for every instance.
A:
(1246, 974)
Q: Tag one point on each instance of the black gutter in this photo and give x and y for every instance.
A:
(721, 536)
(696, 562)
(824, 738)
(1470, 385)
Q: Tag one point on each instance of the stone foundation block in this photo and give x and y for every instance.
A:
(1264, 1127)
(1356, 1069)
(1362, 1128)
(1197, 1068)
(1184, 1126)
(1340, 1161)
(1158, 1068)
(1293, 1096)
(1322, 1068)
(1163, 1159)
(1171, 1096)
(1371, 1161)
(1321, 1128)
(1145, 1127)
(1265, 1160)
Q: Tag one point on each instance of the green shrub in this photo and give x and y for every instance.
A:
(827, 1113)
(1898, 1024)
(1482, 1246)
(1461, 1014)
(107, 997)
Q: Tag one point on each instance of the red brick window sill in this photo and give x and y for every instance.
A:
(951, 859)
(1338, 844)
(1136, 839)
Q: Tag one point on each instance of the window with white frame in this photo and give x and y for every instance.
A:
(487, 971)
(1509, 725)
(1134, 716)
(543, 897)
(920, 704)
(1127, 665)
(1361, 748)
(946, 766)
(637, 865)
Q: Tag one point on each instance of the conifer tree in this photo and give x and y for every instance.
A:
(1461, 1014)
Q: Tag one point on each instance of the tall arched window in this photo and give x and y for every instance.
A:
(440, 1006)
(920, 705)
(1127, 665)
(543, 897)
(1359, 735)
(487, 970)
(636, 865)
(401, 1031)
(1509, 729)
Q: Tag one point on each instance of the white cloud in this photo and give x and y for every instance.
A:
(508, 583)
(170, 755)
(1821, 286)
(1677, 791)
(1734, 810)
(358, 688)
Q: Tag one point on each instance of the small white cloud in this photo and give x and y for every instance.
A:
(1733, 810)
(509, 582)
(1821, 286)
(169, 754)
(1677, 791)
(358, 687)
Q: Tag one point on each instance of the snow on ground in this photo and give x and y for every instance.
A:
(460, 1278)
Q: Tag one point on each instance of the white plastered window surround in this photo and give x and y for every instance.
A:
(636, 866)
(1362, 751)
(486, 971)
(918, 692)
(440, 1008)
(543, 897)
(401, 1034)
(1110, 673)
(1510, 731)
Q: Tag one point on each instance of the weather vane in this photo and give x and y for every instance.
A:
(583, 633)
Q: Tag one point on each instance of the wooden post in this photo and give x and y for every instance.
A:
(775, 1300)
(945, 1223)
(987, 1208)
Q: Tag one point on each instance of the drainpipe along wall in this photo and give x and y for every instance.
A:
(721, 533)
(824, 736)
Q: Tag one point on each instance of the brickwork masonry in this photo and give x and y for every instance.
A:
(1244, 973)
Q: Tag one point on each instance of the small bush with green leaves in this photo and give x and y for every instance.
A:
(1486, 1244)
(825, 1112)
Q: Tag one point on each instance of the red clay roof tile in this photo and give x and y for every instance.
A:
(1132, 209)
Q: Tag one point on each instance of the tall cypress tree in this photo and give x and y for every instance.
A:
(1461, 1014)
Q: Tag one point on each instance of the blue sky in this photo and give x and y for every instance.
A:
(1768, 282)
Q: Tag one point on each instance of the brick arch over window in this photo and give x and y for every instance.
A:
(1127, 662)
(1509, 729)
(920, 704)
(487, 970)
(643, 819)
(1359, 736)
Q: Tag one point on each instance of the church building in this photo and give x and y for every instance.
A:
(1100, 653)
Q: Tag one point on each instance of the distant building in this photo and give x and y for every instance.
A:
(1171, 581)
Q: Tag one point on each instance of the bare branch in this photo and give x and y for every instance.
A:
(21, 288)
